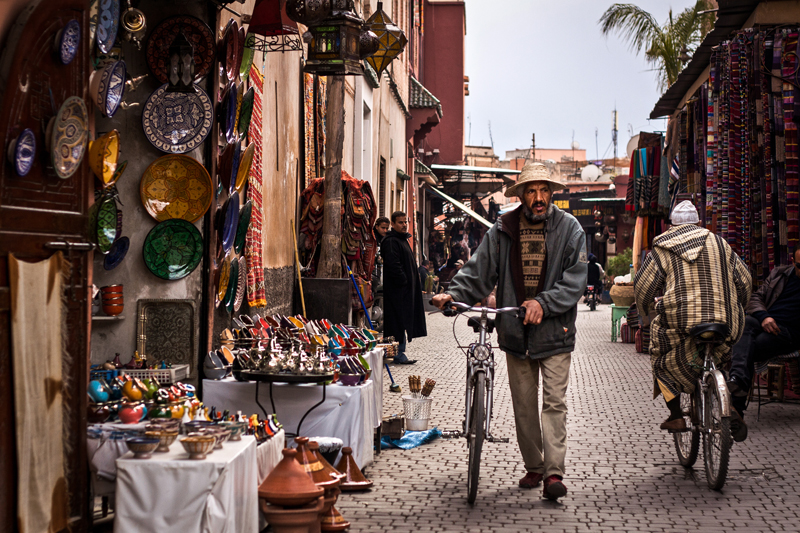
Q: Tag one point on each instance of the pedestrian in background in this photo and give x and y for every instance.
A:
(536, 257)
(404, 314)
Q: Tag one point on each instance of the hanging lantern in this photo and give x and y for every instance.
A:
(368, 43)
(308, 11)
(391, 40)
(181, 65)
(334, 43)
(272, 29)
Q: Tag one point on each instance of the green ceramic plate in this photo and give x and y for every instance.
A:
(246, 112)
(244, 223)
(247, 57)
(173, 249)
(233, 283)
(106, 225)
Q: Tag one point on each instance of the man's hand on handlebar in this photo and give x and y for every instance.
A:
(441, 299)
(533, 312)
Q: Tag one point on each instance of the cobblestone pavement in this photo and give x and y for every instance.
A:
(622, 471)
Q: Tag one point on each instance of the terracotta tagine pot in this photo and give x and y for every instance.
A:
(288, 485)
(622, 295)
(324, 475)
(353, 478)
(292, 520)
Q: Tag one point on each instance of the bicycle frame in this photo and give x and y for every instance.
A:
(710, 375)
(475, 368)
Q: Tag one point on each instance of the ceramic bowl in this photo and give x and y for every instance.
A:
(112, 296)
(111, 288)
(350, 379)
(220, 433)
(112, 310)
(142, 447)
(113, 300)
(107, 86)
(196, 425)
(21, 152)
(164, 424)
(197, 446)
(237, 429)
(165, 437)
(104, 156)
(215, 373)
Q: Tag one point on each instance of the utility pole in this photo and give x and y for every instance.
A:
(614, 130)
(330, 261)
(533, 147)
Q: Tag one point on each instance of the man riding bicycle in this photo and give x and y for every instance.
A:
(702, 280)
(535, 255)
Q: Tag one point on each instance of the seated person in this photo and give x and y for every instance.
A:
(771, 328)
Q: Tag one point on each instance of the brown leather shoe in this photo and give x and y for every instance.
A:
(531, 479)
(679, 424)
(554, 488)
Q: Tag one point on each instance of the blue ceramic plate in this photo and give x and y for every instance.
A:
(117, 253)
(107, 24)
(177, 122)
(231, 223)
(112, 87)
(67, 41)
(228, 112)
(22, 151)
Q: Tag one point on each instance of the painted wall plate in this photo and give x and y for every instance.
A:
(106, 225)
(241, 288)
(107, 24)
(173, 249)
(248, 54)
(22, 151)
(68, 134)
(68, 41)
(224, 279)
(177, 122)
(231, 223)
(242, 226)
(117, 253)
(244, 167)
(196, 31)
(246, 112)
(176, 186)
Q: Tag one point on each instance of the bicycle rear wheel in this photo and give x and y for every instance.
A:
(718, 441)
(687, 443)
(475, 434)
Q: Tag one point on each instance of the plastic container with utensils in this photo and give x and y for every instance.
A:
(417, 413)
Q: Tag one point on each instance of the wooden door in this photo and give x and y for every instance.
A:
(37, 211)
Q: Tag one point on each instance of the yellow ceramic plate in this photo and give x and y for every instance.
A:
(176, 186)
(103, 156)
(224, 279)
(244, 166)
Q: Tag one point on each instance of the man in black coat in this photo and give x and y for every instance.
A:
(404, 315)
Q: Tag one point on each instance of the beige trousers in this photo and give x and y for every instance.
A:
(543, 443)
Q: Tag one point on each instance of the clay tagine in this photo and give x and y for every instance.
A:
(288, 485)
(330, 517)
(295, 520)
(353, 478)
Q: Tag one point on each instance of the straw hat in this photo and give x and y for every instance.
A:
(533, 172)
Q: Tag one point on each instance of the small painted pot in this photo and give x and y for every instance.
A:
(97, 413)
(132, 413)
(97, 392)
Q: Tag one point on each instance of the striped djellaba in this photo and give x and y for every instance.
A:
(702, 280)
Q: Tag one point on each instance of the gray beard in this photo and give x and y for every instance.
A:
(535, 219)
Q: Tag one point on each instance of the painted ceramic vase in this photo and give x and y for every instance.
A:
(132, 413)
(98, 392)
(97, 413)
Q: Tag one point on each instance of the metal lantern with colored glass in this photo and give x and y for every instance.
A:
(391, 40)
(334, 46)
(181, 65)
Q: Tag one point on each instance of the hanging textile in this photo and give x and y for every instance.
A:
(254, 242)
(37, 352)
(309, 134)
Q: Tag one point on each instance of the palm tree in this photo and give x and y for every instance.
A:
(668, 47)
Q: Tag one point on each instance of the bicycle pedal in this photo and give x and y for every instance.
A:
(452, 434)
(498, 439)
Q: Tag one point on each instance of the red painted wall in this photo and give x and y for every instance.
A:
(443, 74)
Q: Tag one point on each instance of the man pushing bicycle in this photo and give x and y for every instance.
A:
(536, 257)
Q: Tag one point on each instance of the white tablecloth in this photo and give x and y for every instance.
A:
(375, 360)
(349, 413)
(171, 492)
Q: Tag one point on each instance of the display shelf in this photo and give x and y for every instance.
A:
(103, 318)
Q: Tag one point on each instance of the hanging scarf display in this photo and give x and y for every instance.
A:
(256, 292)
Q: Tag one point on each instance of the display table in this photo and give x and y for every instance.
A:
(348, 413)
(618, 312)
(171, 492)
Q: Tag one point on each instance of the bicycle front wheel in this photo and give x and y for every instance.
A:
(687, 443)
(475, 434)
(717, 440)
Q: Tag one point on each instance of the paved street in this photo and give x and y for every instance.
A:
(622, 472)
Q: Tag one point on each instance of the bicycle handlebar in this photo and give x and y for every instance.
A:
(452, 309)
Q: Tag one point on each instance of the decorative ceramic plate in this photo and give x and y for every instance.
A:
(111, 88)
(196, 31)
(239, 95)
(231, 223)
(239, 52)
(246, 112)
(117, 173)
(68, 136)
(227, 113)
(224, 163)
(244, 166)
(106, 225)
(242, 285)
(103, 156)
(241, 230)
(117, 253)
(247, 56)
(67, 41)
(219, 218)
(93, 17)
(233, 283)
(173, 249)
(22, 151)
(177, 122)
(224, 279)
(237, 159)
(107, 24)
(229, 50)
(176, 186)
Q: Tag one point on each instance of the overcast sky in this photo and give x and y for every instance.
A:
(543, 67)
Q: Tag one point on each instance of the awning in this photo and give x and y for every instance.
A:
(425, 174)
(593, 200)
(464, 169)
(463, 207)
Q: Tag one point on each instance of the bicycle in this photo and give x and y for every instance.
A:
(480, 387)
(707, 411)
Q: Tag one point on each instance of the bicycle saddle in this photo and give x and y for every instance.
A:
(710, 331)
(475, 323)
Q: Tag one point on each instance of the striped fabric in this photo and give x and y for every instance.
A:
(256, 292)
(702, 280)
